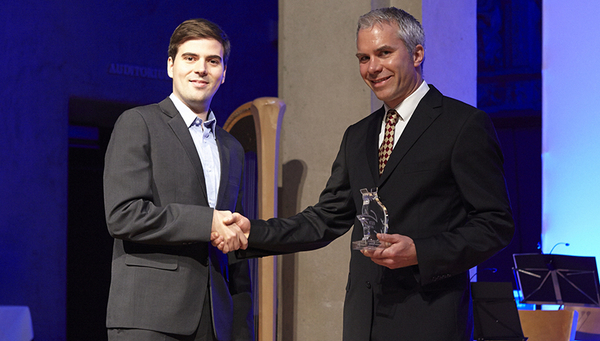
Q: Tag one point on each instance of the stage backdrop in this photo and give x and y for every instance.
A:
(571, 123)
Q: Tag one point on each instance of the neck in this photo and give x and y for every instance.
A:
(396, 102)
(203, 116)
(200, 109)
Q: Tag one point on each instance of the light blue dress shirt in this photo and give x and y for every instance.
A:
(203, 134)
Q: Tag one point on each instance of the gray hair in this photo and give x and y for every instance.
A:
(409, 28)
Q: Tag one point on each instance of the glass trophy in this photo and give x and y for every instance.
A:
(374, 220)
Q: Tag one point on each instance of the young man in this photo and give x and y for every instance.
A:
(168, 167)
(438, 168)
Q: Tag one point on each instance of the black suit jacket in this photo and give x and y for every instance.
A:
(157, 211)
(443, 186)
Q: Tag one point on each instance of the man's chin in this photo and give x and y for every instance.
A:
(381, 96)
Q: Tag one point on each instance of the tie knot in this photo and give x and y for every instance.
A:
(392, 117)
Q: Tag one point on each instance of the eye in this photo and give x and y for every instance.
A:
(363, 59)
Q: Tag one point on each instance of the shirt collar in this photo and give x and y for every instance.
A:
(188, 115)
(406, 108)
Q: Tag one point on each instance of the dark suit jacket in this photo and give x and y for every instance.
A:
(443, 186)
(157, 211)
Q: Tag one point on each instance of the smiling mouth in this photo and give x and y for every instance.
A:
(199, 82)
(380, 80)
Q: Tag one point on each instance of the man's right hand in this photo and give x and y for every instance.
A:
(236, 222)
(226, 235)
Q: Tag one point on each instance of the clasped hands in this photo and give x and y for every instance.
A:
(229, 231)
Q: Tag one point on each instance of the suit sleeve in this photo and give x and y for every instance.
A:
(477, 168)
(130, 197)
(313, 228)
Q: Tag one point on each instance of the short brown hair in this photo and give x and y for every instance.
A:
(199, 29)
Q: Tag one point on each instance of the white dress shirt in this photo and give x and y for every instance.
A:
(405, 109)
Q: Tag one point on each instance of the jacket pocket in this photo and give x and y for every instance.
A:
(150, 260)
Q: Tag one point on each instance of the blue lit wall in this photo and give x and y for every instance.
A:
(571, 125)
(509, 85)
(56, 50)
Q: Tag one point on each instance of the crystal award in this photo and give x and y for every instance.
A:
(374, 220)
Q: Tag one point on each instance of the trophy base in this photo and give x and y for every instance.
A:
(367, 244)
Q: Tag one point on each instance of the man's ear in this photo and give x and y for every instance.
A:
(418, 55)
(170, 62)
(224, 72)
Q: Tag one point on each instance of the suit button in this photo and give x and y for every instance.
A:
(368, 284)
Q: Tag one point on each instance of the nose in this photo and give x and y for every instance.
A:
(374, 66)
(200, 67)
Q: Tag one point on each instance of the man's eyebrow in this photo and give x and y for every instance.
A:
(189, 54)
(379, 49)
(384, 48)
(214, 56)
(192, 54)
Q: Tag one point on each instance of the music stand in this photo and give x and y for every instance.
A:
(495, 312)
(557, 279)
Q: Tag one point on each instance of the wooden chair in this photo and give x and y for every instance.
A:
(257, 125)
(545, 325)
(588, 322)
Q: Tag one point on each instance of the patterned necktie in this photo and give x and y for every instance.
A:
(388, 140)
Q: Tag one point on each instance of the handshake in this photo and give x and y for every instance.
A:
(229, 231)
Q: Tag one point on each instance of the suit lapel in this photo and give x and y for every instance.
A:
(224, 156)
(425, 113)
(182, 132)
(372, 143)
